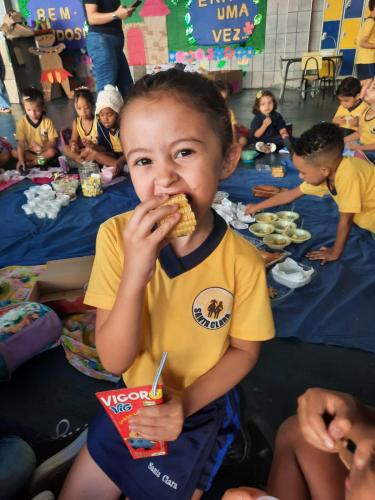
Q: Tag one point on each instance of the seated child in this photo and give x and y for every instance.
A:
(310, 453)
(364, 139)
(350, 181)
(35, 133)
(84, 129)
(225, 90)
(267, 125)
(108, 150)
(178, 139)
(351, 105)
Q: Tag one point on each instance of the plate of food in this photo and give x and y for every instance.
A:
(282, 225)
(276, 241)
(265, 147)
(267, 217)
(261, 229)
(298, 235)
(287, 215)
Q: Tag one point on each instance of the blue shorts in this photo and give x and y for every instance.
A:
(192, 461)
(365, 71)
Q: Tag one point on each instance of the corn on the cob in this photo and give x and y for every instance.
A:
(187, 223)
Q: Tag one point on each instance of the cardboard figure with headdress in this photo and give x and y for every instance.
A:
(51, 63)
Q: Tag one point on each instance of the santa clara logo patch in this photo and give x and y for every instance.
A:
(212, 308)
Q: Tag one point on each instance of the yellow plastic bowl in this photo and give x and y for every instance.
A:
(298, 235)
(267, 217)
(261, 229)
(276, 241)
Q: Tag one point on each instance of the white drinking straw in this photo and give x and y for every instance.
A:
(158, 374)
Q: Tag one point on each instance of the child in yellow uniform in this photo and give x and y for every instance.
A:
(364, 139)
(350, 181)
(351, 105)
(108, 150)
(84, 128)
(35, 133)
(156, 294)
(365, 56)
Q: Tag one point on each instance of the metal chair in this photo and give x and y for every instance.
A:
(311, 65)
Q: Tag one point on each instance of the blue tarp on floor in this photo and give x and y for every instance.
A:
(337, 307)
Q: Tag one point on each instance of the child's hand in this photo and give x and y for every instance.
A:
(267, 122)
(251, 208)
(324, 254)
(20, 165)
(87, 154)
(160, 422)
(142, 242)
(119, 167)
(314, 404)
(243, 493)
(354, 146)
(360, 484)
(74, 147)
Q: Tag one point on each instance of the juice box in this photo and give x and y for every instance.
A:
(120, 405)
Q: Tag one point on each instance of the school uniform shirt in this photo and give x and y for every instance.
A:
(109, 138)
(193, 304)
(366, 128)
(92, 135)
(355, 111)
(273, 130)
(366, 56)
(354, 191)
(40, 132)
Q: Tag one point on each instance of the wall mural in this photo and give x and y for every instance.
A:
(169, 31)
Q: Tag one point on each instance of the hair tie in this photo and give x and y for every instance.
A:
(82, 87)
(26, 97)
(259, 94)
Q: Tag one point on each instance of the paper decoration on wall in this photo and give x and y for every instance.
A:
(186, 31)
(66, 16)
(50, 61)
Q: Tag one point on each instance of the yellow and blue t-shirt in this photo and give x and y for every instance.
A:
(92, 135)
(40, 132)
(193, 304)
(354, 191)
(109, 138)
(367, 127)
(355, 111)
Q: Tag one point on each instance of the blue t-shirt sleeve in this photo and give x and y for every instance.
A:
(256, 123)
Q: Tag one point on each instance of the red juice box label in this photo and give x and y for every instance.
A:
(120, 405)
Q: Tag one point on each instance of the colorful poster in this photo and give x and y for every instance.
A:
(67, 19)
(187, 31)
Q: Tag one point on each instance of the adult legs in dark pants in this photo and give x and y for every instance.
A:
(110, 64)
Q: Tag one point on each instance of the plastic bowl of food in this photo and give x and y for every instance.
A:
(267, 217)
(298, 235)
(287, 215)
(261, 229)
(248, 155)
(265, 147)
(282, 225)
(276, 241)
